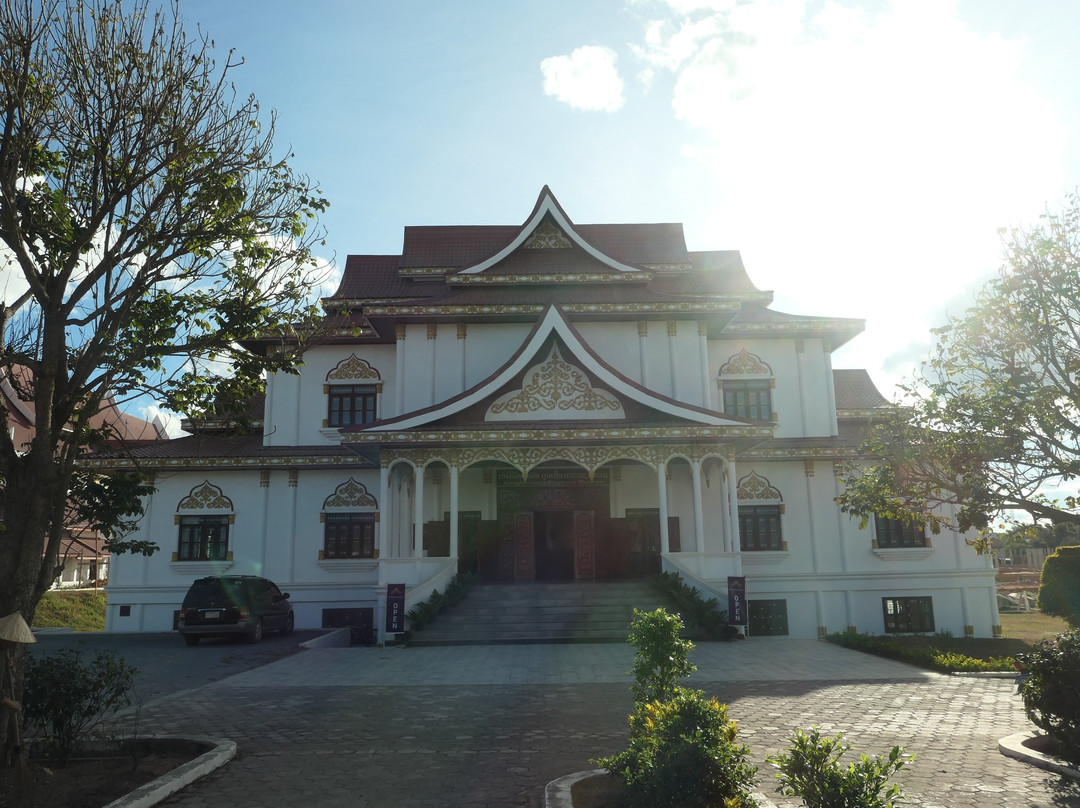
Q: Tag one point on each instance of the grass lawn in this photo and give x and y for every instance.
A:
(1031, 626)
(79, 609)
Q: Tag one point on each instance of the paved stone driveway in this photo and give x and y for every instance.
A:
(491, 726)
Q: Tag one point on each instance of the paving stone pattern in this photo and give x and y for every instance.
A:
(491, 726)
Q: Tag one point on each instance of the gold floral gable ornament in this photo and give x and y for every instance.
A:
(555, 390)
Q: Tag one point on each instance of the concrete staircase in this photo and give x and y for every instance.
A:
(520, 613)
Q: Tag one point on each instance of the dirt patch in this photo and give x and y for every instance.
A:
(93, 782)
(601, 791)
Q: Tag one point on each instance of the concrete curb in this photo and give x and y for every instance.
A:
(1013, 746)
(168, 784)
(557, 792)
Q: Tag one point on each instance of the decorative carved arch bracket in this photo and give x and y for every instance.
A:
(353, 369)
(205, 497)
(745, 363)
(352, 495)
(754, 486)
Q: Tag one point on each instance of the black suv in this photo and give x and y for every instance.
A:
(234, 604)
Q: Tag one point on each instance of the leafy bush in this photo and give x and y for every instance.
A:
(705, 617)
(1059, 591)
(1051, 691)
(662, 657)
(426, 611)
(925, 656)
(682, 753)
(811, 769)
(69, 699)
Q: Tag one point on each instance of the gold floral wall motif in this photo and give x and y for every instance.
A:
(352, 368)
(753, 486)
(350, 494)
(745, 363)
(558, 388)
(547, 237)
(205, 497)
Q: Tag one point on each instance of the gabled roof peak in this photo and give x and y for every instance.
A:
(547, 221)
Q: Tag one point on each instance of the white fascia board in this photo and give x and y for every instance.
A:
(546, 207)
(553, 321)
(13, 398)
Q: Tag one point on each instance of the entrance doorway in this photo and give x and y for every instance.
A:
(554, 541)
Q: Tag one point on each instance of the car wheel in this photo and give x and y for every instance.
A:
(191, 639)
(256, 634)
(289, 625)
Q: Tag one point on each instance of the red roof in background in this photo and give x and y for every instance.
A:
(855, 390)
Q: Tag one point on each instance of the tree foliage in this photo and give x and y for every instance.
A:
(1059, 587)
(148, 230)
(991, 425)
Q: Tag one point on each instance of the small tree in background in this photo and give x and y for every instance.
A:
(1059, 590)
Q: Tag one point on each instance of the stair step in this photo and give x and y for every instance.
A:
(541, 612)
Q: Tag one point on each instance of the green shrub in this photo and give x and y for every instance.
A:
(925, 656)
(682, 753)
(1059, 591)
(705, 617)
(69, 699)
(811, 769)
(1051, 691)
(662, 657)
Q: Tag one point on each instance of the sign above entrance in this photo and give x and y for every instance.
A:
(550, 477)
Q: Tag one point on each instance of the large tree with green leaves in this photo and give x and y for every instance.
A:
(991, 427)
(147, 229)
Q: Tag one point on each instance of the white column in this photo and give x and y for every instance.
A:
(418, 513)
(264, 485)
(808, 469)
(461, 335)
(453, 511)
(673, 356)
(433, 338)
(699, 512)
(383, 527)
(293, 482)
(706, 379)
(725, 507)
(661, 482)
(643, 353)
(399, 381)
(733, 507)
(800, 353)
(827, 348)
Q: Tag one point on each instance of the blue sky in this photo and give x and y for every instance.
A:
(862, 156)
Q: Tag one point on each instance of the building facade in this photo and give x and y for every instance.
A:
(550, 401)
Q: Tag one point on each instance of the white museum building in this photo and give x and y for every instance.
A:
(550, 401)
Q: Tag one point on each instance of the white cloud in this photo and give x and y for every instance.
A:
(586, 79)
(863, 159)
(168, 418)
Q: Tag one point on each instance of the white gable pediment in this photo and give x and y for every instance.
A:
(512, 379)
(555, 390)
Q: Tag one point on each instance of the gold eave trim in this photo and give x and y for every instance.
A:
(252, 463)
(517, 436)
(877, 412)
(813, 452)
(414, 272)
(667, 267)
(549, 277)
(799, 325)
(703, 307)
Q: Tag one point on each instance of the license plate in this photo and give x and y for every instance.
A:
(212, 615)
